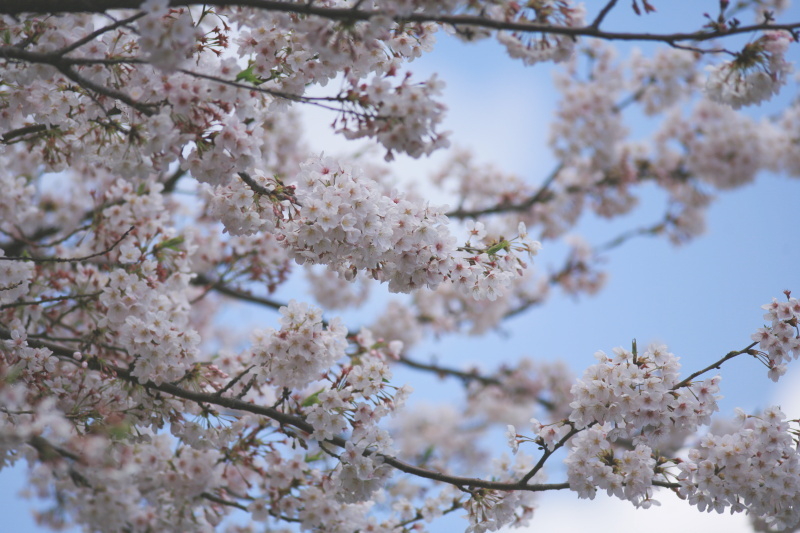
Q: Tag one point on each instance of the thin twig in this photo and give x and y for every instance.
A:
(53, 299)
(602, 15)
(97, 33)
(236, 293)
(468, 377)
(712, 366)
(313, 100)
(69, 260)
(234, 381)
(535, 198)
(216, 499)
(548, 452)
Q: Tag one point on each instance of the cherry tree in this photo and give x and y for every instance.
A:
(154, 170)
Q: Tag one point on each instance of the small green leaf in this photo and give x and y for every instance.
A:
(249, 76)
(119, 431)
(311, 458)
(172, 243)
(428, 453)
(311, 400)
(502, 245)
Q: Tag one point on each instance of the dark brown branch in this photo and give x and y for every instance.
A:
(172, 181)
(64, 65)
(19, 132)
(97, 33)
(236, 293)
(444, 371)
(539, 196)
(53, 299)
(468, 377)
(457, 504)
(66, 259)
(350, 15)
(717, 365)
(620, 239)
(48, 451)
(234, 381)
(666, 484)
(216, 499)
(603, 13)
(285, 419)
(548, 452)
(313, 100)
(245, 177)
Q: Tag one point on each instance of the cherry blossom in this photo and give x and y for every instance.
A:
(174, 257)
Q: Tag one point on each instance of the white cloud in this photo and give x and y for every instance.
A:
(787, 395)
(565, 513)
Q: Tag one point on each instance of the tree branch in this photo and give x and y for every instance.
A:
(467, 377)
(284, 419)
(603, 13)
(68, 259)
(97, 33)
(236, 293)
(539, 196)
(350, 15)
(64, 65)
(53, 299)
(712, 366)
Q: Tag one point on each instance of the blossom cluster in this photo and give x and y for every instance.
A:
(244, 211)
(143, 483)
(152, 324)
(756, 75)
(552, 47)
(22, 416)
(639, 396)
(404, 119)
(15, 278)
(492, 510)
(358, 401)
(720, 152)
(145, 305)
(348, 223)
(664, 79)
(302, 350)
(398, 322)
(754, 468)
(17, 199)
(593, 464)
(781, 339)
(165, 36)
(588, 123)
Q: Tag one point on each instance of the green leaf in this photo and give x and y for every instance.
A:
(502, 245)
(311, 458)
(248, 76)
(428, 453)
(311, 400)
(172, 243)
